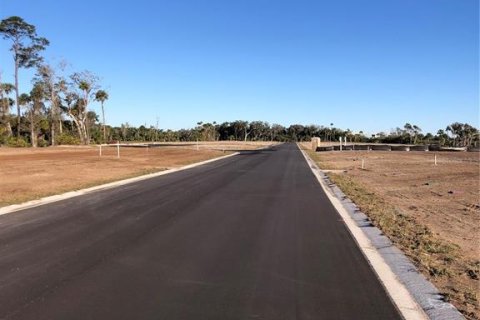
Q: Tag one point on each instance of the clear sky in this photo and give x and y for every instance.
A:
(363, 65)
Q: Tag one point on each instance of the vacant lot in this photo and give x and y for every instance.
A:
(27, 173)
(435, 209)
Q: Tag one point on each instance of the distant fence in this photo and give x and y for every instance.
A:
(361, 147)
(400, 148)
(381, 147)
(391, 147)
(420, 148)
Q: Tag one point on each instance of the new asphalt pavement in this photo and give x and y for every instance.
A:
(248, 237)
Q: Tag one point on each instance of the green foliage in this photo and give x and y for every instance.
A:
(26, 44)
(101, 96)
(67, 139)
(463, 134)
(17, 142)
(262, 131)
(42, 143)
(26, 47)
(3, 136)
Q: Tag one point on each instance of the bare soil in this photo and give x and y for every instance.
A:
(28, 173)
(444, 198)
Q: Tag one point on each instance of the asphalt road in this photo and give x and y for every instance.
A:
(248, 237)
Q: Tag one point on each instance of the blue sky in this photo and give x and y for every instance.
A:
(362, 65)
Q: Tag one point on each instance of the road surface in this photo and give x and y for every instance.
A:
(248, 237)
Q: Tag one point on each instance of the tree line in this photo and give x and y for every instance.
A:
(57, 111)
(455, 135)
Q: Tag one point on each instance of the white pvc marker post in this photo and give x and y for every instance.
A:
(435, 159)
(340, 143)
(118, 149)
(100, 151)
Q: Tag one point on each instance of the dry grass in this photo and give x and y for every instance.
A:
(27, 174)
(431, 212)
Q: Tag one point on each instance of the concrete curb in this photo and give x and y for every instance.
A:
(422, 291)
(71, 194)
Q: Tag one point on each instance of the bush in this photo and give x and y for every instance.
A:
(17, 142)
(42, 143)
(66, 138)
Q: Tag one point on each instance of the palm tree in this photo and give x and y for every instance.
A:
(102, 96)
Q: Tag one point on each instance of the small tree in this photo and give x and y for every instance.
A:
(26, 48)
(463, 134)
(102, 96)
(5, 104)
(52, 85)
(24, 101)
(416, 130)
(455, 130)
(408, 130)
(37, 96)
(412, 131)
(277, 129)
(77, 97)
(34, 104)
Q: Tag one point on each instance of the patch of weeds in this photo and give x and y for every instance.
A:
(471, 296)
(473, 270)
(437, 270)
(447, 297)
(440, 248)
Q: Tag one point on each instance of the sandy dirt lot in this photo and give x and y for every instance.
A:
(27, 173)
(443, 197)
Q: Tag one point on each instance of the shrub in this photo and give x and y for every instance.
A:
(66, 138)
(17, 142)
(42, 143)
